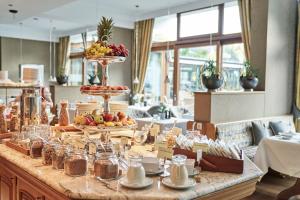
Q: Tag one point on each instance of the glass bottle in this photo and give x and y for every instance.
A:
(75, 163)
(106, 166)
(3, 123)
(14, 122)
(64, 114)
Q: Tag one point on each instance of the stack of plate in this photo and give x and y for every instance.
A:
(116, 107)
(4, 80)
(87, 108)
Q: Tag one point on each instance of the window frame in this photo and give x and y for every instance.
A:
(218, 38)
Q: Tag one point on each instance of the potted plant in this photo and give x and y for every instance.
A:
(248, 79)
(61, 76)
(211, 79)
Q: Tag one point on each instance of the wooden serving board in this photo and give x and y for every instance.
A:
(5, 135)
(18, 148)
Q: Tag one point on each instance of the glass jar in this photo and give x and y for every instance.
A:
(75, 163)
(47, 152)
(106, 166)
(58, 157)
(3, 123)
(136, 172)
(36, 147)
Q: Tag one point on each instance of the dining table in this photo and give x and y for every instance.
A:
(281, 153)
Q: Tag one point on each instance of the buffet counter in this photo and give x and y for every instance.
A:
(28, 179)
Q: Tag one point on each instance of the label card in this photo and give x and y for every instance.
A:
(164, 152)
(124, 141)
(160, 144)
(177, 131)
(199, 126)
(157, 127)
(92, 148)
(116, 147)
(199, 155)
(202, 146)
(153, 132)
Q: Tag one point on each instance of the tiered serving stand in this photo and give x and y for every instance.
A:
(106, 94)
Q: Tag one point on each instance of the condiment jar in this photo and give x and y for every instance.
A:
(47, 152)
(106, 166)
(75, 163)
(36, 147)
(3, 123)
(58, 157)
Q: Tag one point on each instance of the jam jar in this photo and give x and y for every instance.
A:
(76, 163)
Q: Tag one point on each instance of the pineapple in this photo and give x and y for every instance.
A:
(104, 29)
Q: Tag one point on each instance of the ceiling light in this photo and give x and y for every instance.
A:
(13, 11)
(10, 5)
(35, 18)
(137, 6)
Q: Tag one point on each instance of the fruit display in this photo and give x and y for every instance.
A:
(102, 88)
(97, 49)
(118, 50)
(104, 120)
(102, 48)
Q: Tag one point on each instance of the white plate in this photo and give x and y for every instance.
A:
(155, 173)
(167, 182)
(147, 182)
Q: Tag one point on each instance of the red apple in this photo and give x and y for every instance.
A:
(108, 117)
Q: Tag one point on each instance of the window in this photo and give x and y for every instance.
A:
(75, 72)
(233, 59)
(204, 34)
(165, 29)
(159, 76)
(76, 43)
(199, 22)
(231, 18)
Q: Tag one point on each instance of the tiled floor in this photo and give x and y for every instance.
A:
(271, 185)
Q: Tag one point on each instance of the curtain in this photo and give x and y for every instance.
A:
(84, 41)
(245, 15)
(297, 75)
(63, 55)
(142, 48)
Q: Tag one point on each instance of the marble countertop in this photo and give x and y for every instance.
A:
(88, 187)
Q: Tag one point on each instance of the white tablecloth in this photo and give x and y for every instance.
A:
(280, 155)
(164, 124)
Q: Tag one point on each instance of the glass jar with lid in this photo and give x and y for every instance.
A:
(75, 163)
(36, 147)
(47, 152)
(106, 165)
(58, 157)
(178, 170)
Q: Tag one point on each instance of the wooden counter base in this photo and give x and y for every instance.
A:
(18, 184)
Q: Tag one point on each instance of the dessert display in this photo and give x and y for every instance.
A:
(104, 120)
(102, 88)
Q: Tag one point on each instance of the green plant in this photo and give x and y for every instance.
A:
(249, 71)
(210, 69)
(61, 71)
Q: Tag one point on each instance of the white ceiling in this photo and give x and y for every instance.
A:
(75, 16)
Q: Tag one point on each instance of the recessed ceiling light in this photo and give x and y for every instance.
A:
(10, 5)
(13, 11)
(35, 18)
(137, 6)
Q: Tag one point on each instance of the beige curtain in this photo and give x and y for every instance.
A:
(297, 72)
(141, 52)
(63, 55)
(245, 15)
